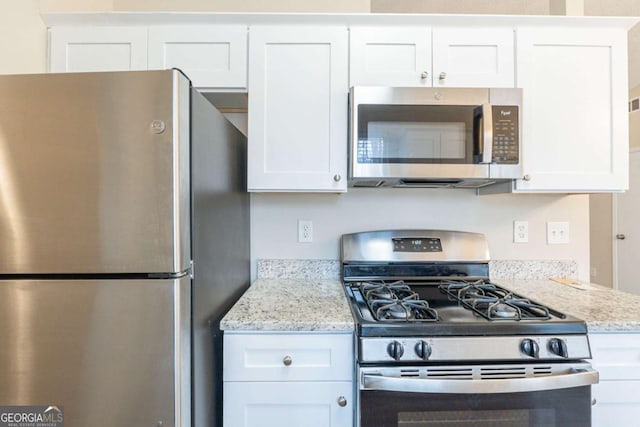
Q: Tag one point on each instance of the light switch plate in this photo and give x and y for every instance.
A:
(557, 232)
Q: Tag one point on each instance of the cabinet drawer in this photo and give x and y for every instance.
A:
(616, 356)
(283, 357)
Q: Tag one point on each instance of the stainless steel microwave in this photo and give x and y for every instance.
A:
(434, 137)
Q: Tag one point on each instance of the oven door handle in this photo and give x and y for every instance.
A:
(576, 378)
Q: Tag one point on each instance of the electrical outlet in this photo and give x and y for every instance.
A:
(305, 231)
(557, 233)
(520, 231)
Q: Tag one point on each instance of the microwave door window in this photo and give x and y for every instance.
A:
(416, 142)
(415, 134)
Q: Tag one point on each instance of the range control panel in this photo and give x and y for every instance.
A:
(417, 244)
(505, 134)
(487, 348)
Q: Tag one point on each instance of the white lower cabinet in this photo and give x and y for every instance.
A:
(288, 404)
(616, 399)
(288, 380)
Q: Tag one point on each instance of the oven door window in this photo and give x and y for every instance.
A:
(561, 408)
(416, 134)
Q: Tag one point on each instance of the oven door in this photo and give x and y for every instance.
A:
(541, 395)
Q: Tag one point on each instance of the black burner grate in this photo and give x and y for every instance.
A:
(396, 302)
(492, 302)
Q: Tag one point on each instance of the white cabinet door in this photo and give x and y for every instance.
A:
(211, 56)
(79, 49)
(288, 404)
(455, 57)
(477, 57)
(574, 84)
(382, 56)
(298, 109)
(617, 396)
(615, 403)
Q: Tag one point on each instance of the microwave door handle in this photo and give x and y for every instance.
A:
(487, 134)
(575, 378)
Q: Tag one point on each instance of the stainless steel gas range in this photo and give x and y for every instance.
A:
(438, 344)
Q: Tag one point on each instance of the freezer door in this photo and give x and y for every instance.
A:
(110, 353)
(94, 172)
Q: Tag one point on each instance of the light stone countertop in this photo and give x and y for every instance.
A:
(604, 309)
(291, 305)
(307, 295)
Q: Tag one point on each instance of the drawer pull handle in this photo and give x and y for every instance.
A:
(342, 401)
(287, 361)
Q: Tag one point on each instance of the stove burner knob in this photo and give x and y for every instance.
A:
(530, 348)
(558, 346)
(395, 350)
(423, 350)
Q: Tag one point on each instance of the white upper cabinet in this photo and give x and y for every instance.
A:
(574, 84)
(212, 56)
(473, 57)
(298, 108)
(390, 56)
(80, 49)
(414, 57)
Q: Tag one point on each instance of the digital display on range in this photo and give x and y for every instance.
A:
(417, 244)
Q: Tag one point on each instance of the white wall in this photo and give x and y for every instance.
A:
(601, 239)
(489, 7)
(274, 220)
(347, 6)
(23, 35)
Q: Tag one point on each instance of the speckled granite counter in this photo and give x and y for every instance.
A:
(296, 305)
(280, 300)
(604, 309)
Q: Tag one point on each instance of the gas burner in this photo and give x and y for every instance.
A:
(461, 290)
(403, 310)
(493, 302)
(503, 311)
(388, 291)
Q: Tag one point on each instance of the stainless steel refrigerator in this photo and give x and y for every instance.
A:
(124, 238)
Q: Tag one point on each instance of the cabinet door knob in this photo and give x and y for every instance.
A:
(424, 75)
(593, 402)
(337, 177)
(342, 401)
(620, 236)
(442, 76)
(526, 177)
(287, 361)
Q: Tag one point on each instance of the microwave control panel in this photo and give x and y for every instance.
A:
(505, 134)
